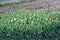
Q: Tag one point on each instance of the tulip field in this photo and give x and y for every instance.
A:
(29, 23)
(30, 20)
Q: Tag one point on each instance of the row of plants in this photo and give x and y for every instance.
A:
(7, 4)
(28, 22)
(52, 34)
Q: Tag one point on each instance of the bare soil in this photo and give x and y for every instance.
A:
(44, 5)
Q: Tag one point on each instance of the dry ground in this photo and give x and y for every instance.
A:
(43, 5)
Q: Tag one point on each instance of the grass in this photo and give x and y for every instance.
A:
(26, 22)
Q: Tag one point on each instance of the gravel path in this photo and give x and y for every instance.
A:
(38, 5)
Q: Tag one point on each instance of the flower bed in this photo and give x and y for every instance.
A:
(31, 23)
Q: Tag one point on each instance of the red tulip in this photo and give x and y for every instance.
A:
(30, 9)
(34, 26)
(51, 19)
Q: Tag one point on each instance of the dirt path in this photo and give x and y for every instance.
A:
(37, 5)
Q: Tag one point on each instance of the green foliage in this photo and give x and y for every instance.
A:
(29, 22)
(0, 5)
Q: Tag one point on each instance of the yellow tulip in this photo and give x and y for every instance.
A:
(11, 20)
(15, 19)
